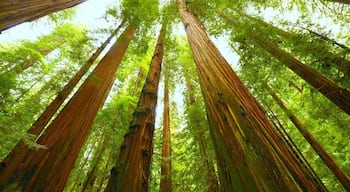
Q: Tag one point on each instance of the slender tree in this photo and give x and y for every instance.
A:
(339, 96)
(165, 180)
(132, 169)
(317, 51)
(48, 169)
(15, 12)
(327, 159)
(244, 140)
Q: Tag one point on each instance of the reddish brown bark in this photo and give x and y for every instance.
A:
(15, 12)
(21, 149)
(165, 171)
(339, 96)
(213, 185)
(327, 159)
(132, 169)
(247, 146)
(48, 169)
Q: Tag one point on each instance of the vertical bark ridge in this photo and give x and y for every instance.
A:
(21, 149)
(48, 169)
(247, 144)
(132, 169)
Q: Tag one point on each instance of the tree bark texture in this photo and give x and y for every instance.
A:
(165, 171)
(132, 169)
(339, 96)
(327, 159)
(213, 185)
(21, 149)
(14, 12)
(250, 154)
(48, 169)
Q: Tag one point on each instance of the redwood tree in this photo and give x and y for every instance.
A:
(327, 159)
(48, 169)
(132, 169)
(338, 95)
(15, 12)
(165, 179)
(246, 144)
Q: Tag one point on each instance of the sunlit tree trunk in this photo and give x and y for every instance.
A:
(21, 150)
(318, 52)
(247, 146)
(339, 96)
(213, 185)
(132, 168)
(165, 172)
(15, 12)
(328, 160)
(48, 169)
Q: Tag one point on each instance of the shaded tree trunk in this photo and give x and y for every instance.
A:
(21, 149)
(339, 96)
(213, 185)
(48, 169)
(132, 169)
(15, 12)
(327, 159)
(247, 146)
(165, 172)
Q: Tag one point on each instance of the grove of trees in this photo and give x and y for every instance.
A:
(149, 102)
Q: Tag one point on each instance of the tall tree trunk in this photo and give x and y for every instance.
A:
(327, 159)
(247, 146)
(339, 96)
(92, 174)
(132, 169)
(15, 12)
(318, 52)
(21, 149)
(213, 185)
(48, 169)
(165, 172)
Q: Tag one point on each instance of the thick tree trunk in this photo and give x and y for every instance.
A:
(15, 12)
(48, 169)
(21, 149)
(165, 172)
(339, 96)
(213, 185)
(247, 146)
(132, 169)
(327, 159)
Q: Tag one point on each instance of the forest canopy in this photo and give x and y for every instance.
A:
(195, 95)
